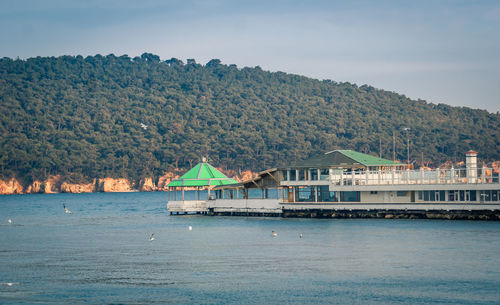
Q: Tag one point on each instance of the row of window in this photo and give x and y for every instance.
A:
(306, 174)
(323, 194)
(465, 195)
(252, 193)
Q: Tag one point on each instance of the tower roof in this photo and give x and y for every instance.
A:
(203, 174)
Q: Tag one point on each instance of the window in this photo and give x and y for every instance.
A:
(373, 192)
(314, 174)
(431, 195)
(426, 196)
(302, 174)
(285, 175)
(293, 175)
(324, 194)
(402, 194)
(473, 196)
(489, 195)
(227, 194)
(442, 196)
(453, 196)
(254, 193)
(349, 196)
(304, 194)
(324, 174)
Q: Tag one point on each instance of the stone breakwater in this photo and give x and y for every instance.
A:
(395, 214)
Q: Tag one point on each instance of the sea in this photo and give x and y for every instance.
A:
(101, 253)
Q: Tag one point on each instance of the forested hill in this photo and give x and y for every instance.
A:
(108, 116)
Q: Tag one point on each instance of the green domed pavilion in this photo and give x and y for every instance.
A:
(201, 176)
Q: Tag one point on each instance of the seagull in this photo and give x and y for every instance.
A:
(10, 221)
(275, 233)
(151, 238)
(66, 209)
(144, 126)
(190, 228)
(300, 235)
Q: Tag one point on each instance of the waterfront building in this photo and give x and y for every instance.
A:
(346, 180)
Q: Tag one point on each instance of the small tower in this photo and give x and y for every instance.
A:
(471, 166)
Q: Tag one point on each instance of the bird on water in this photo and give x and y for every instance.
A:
(300, 235)
(190, 228)
(275, 233)
(151, 238)
(10, 221)
(66, 209)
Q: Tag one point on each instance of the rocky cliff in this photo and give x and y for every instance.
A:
(11, 187)
(57, 184)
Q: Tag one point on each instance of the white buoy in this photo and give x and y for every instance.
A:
(10, 221)
(275, 233)
(190, 228)
(151, 238)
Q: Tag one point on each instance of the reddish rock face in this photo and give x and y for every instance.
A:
(78, 187)
(10, 187)
(52, 185)
(113, 185)
(147, 185)
(35, 187)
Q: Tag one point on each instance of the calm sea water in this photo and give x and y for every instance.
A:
(101, 254)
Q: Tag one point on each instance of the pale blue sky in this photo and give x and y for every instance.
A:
(440, 51)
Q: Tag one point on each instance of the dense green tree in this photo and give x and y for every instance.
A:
(134, 117)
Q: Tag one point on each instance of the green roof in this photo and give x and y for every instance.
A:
(203, 174)
(367, 160)
(344, 158)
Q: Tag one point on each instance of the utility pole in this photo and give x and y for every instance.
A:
(380, 147)
(407, 129)
(393, 146)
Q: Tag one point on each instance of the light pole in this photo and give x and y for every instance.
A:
(407, 129)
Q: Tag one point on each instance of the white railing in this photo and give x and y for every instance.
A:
(432, 176)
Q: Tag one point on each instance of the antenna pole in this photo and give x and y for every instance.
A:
(380, 147)
(393, 146)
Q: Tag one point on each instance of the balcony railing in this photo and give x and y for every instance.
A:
(433, 176)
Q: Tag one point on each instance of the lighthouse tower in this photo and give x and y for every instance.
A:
(471, 166)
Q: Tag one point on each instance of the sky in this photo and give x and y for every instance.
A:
(439, 51)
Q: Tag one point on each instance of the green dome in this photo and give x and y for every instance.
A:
(203, 174)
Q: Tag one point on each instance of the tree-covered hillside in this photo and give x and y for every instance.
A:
(108, 116)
